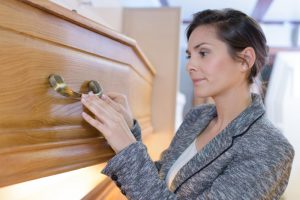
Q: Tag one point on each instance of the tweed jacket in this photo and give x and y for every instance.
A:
(249, 159)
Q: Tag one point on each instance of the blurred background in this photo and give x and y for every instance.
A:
(279, 19)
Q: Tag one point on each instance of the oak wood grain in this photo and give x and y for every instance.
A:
(41, 132)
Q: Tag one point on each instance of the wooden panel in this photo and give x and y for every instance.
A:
(41, 132)
(105, 190)
(35, 161)
(31, 104)
(29, 20)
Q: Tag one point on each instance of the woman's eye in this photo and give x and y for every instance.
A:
(203, 53)
(188, 56)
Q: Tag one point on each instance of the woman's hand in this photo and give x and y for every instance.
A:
(108, 121)
(119, 103)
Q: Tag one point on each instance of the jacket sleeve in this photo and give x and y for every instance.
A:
(136, 131)
(136, 174)
(259, 177)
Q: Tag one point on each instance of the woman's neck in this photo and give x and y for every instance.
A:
(229, 105)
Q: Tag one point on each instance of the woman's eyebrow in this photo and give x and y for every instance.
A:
(196, 47)
(199, 45)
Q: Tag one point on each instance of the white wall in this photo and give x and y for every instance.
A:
(157, 31)
(283, 109)
(105, 12)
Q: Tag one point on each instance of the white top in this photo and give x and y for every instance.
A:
(187, 155)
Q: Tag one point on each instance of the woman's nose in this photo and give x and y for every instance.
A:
(191, 65)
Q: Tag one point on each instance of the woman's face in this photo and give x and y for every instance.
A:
(211, 68)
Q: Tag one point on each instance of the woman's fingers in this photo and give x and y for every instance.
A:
(114, 95)
(119, 103)
(114, 104)
(102, 102)
(108, 121)
(102, 109)
(117, 97)
(95, 123)
(96, 107)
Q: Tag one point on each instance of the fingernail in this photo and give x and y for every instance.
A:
(91, 93)
(103, 96)
(84, 114)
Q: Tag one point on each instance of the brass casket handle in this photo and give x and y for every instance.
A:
(59, 85)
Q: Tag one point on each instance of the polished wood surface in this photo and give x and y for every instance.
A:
(41, 132)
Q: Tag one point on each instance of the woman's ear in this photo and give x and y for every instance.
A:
(249, 56)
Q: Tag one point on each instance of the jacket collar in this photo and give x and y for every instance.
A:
(218, 145)
(186, 134)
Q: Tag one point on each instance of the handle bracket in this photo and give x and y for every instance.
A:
(59, 85)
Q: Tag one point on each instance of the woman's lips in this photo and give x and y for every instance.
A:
(197, 81)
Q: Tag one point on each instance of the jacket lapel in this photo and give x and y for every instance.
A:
(185, 135)
(220, 144)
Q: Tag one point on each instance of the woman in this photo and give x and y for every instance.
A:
(228, 150)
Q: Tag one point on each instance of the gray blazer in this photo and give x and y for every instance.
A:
(249, 159)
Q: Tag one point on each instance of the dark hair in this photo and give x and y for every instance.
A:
(238, 31)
